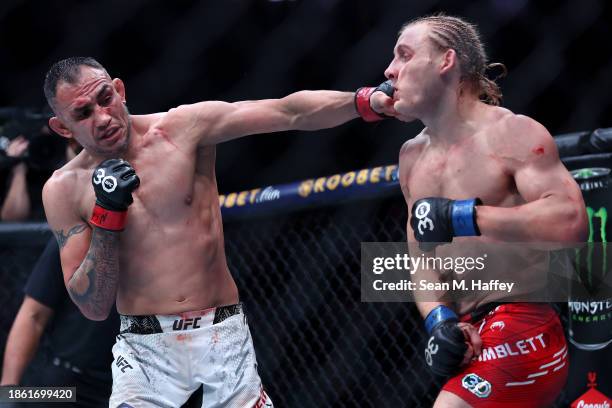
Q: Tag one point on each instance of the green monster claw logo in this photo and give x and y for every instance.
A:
(584, 173)
(602, 214)
(590, 179)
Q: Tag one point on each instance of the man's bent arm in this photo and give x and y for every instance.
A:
(93, 286)
(426, 300)
(555, 210)
(425, 303)
(89, 256)
(550, 219)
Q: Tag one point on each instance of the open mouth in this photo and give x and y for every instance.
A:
(109, 133)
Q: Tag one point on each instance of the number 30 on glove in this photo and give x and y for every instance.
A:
(113, 181)
(437, 220)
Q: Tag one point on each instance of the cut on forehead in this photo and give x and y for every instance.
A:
(69, 71)
(88, 84)
(73, 98)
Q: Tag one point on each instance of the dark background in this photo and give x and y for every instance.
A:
(313, 336)
(558, 54)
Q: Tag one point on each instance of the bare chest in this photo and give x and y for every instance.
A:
(170, 187)
(459, 173)
(167, 181)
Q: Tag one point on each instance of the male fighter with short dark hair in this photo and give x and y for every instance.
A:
(137, 217)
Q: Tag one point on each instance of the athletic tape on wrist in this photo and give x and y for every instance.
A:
(463, 216)
(362, 105)
(107, 219)
(437, 315)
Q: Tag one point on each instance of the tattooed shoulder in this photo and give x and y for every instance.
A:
(62, 237)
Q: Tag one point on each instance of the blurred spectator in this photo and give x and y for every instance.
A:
(25, 164)
(16, 203)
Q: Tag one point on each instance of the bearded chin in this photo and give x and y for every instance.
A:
(124, 146)
(128, 132)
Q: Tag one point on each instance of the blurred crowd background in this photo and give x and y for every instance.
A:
(558, 55)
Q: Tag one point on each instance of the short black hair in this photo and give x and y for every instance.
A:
(66, 70)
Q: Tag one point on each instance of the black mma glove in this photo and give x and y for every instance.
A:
(446, 346)
(362, 101)
(435, 220)
(113, 181)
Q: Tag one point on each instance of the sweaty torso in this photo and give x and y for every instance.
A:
(172, 256)
(480, 165)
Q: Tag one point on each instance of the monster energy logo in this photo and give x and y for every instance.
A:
(593, 178)
(602, 214)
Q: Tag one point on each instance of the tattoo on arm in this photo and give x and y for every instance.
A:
(93, 287)
(62, 237)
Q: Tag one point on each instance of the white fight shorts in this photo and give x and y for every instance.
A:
(160, 360)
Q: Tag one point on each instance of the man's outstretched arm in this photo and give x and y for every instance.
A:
(305, 110)
(212, 122)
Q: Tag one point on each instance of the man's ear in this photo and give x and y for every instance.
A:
(58, 127)
(120, 88)
(448, 62)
